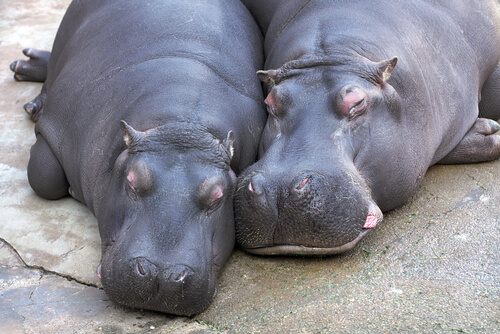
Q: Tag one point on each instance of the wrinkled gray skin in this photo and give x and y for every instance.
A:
(363, 97)
(141, 111)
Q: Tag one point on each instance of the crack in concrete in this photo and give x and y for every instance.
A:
(22, 316)
(34, 290)
(65, 255)
(479, 184)
(13, 250)
(44, 271)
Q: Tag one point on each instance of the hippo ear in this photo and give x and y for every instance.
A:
(228, 145)
(130, 135)
(269, 77)
(385, 68)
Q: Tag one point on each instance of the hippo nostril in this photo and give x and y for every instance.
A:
(302, 183)
(140, 269)
(180, 273)
(181, 276)
(255, 185)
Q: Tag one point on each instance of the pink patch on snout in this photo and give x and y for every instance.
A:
(371, 222)
(98, 271)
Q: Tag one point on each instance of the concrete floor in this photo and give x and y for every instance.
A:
(432, 266)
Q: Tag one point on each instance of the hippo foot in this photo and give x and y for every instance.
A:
(34, 108)
(479, 144)
(33, 69)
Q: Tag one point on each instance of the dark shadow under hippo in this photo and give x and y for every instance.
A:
(362, 98)
(147, 111)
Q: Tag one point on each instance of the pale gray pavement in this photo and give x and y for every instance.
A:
(433, 266)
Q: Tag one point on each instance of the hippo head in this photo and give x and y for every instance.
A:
(166, 222)
(325, 156)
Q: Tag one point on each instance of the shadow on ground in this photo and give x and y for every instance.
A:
(433, 266)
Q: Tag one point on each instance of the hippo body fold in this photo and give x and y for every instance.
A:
(147, 111)
(363, 97)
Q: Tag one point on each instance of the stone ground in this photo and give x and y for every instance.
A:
(432, 266)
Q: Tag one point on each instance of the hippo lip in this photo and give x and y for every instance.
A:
(304, 250)
(373, 219)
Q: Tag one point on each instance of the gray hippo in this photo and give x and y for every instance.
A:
(147, 111)
(362, 98)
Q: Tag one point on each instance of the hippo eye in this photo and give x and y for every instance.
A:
(215, 199)
(352, 101)
(271, 105)
(132, 192)
(139, 180)
(216, 195)
(211, 194)
(272, 110)
(358, 109)
(131, 186)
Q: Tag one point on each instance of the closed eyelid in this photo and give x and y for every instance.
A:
(139, 177)
(352, 101)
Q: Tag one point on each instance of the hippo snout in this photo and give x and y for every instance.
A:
(307, 213)
(175, 274)
(256, 184)
(140, 283)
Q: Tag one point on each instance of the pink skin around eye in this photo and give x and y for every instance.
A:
(350, 100)
(216, 194)
(271, 104)
(269, 100)
(131, 179)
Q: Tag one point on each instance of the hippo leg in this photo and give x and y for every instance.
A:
(489, 107)
(481, 143)
(45, 173)
(478, 145)
(33, 69)
(34, 108)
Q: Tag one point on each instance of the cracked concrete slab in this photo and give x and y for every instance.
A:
(35, 302)
(65, 240)
(432, 266)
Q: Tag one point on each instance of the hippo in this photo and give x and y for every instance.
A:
(147, 113)
(362, 99)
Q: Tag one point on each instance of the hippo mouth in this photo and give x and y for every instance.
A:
(306, 250)
(299, 250)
